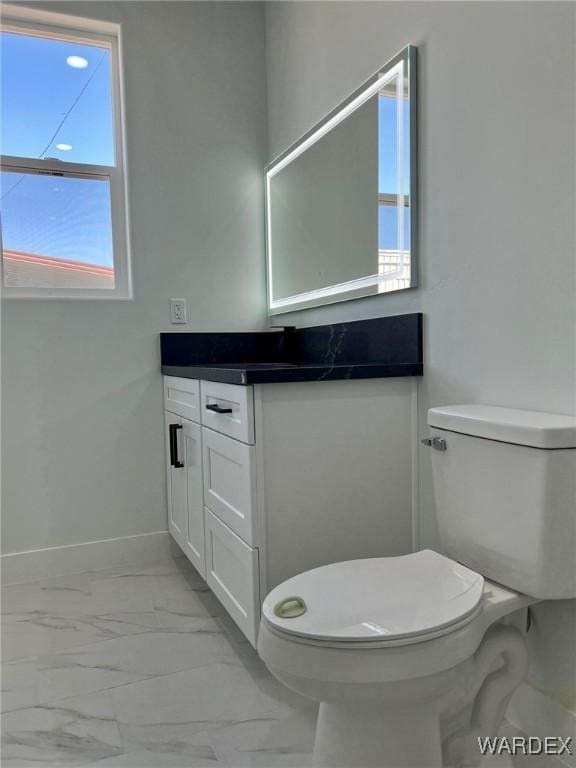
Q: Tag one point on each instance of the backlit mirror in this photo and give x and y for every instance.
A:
(341, 202)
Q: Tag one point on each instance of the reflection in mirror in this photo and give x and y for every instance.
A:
(340, 203)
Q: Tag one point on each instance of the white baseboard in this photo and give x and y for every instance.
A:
(139, 550)
(536, 714)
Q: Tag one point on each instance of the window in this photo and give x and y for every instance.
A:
(394, 248)
(62, 181)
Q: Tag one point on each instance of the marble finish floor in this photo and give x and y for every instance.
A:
(142, 668)
(139, 668)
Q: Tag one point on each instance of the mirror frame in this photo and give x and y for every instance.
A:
(360, 287)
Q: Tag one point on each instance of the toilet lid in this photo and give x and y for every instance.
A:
(378, 599)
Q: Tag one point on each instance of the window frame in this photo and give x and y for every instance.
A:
(55, 26)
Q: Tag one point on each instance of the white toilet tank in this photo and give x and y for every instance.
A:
(505, 490)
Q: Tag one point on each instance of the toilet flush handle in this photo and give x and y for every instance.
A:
(437, 443)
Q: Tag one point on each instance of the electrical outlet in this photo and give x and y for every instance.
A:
(177, 311)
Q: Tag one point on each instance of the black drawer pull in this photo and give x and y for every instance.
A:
(217, 408)
(174, 460)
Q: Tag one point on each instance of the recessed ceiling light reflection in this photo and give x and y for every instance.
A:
(77, 62)
(64, 147)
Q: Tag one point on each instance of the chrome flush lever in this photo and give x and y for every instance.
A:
(438, 443)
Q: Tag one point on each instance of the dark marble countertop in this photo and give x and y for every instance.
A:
(363, 349)
(276, 373)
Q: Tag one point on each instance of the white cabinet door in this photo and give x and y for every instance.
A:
(230, 482)
(192, 459)
(232, 574)
(177, 492)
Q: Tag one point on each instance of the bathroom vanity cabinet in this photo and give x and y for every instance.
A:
(268, 480)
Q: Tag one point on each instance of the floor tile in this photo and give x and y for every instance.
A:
(139, 591)
(70, 732)
(73, 611)
(60, 593)
(173, 708)
(36, 632)
(197, 753)
(179, 621)
(127, 659)
(19, 685)
(140, 668)
(284, 741)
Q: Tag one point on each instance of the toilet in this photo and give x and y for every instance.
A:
(412, 658)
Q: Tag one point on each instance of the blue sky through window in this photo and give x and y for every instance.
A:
(51, 109)
(40, 90)
(59, 217)
(388, 228)
(388, 170)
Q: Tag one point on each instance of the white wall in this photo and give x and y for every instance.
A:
(497, 263)
(82, 403)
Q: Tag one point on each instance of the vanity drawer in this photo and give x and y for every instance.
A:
(228, 408)
(232, 572)
(182, 396)
(230, 482)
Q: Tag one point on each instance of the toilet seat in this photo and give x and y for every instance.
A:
(377, 602)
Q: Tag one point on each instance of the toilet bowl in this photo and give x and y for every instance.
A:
(413, 658)
(390, 647)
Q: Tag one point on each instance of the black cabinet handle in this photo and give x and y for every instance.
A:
(217, 408)
(174, 461)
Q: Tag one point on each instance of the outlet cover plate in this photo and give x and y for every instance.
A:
(178, 311)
